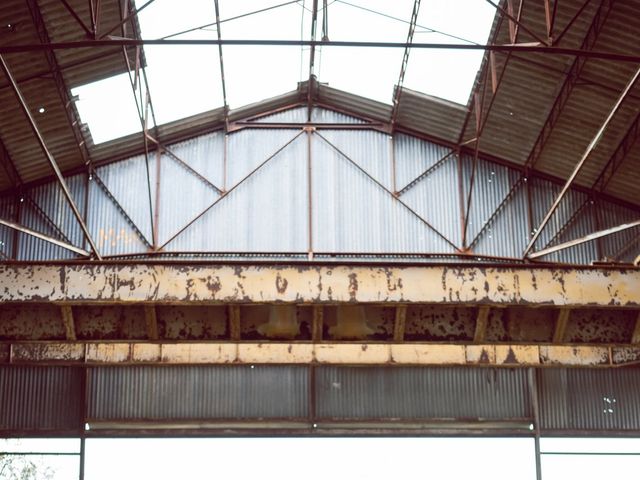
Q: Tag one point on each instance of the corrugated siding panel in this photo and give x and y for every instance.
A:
(508, 233)
(128, 183)
(584, 399)
(624, 243)
(110, 230)
(198, 392)
(491, 185)
(247, 149)
(582, 225)
(292, 115)
(50, 199)
(413, 157)
(7, 212)
(205, 154)
(322, 115)
(543, 193)
(351, 213)
(422, 393)
(178, 205)
(369, 149)
(40, 398)
(268, 212)
(435, 198)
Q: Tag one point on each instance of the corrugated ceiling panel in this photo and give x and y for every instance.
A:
(198, 392)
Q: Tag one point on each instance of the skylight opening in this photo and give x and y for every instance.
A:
(186, 80)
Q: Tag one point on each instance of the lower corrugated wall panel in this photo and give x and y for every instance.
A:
(589, 400)
(198, 392)
(49, 400)
(40, 399)
(422, 393)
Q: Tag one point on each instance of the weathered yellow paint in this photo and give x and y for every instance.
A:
(275, 353)
(358, 353)
(517, 354)
(425, 354)
(498, 355)
(563, 355)
(109, 283)
(108, 352)
(193, 353)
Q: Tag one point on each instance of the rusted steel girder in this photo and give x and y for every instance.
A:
(423, 354)
(299, 284)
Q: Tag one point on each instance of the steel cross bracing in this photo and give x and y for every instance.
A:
(316, 131)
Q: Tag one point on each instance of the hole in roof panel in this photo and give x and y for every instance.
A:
(101, 103)
(254, 73)
(368, 71)
(448, 74)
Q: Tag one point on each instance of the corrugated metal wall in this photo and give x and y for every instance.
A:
(578, 399)
(351, 208)
(421, 393)
(571, 401)
(200, 392)
(41, 398)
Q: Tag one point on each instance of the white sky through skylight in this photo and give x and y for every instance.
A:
(186, 80)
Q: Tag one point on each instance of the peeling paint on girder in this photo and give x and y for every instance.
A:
(320, 284)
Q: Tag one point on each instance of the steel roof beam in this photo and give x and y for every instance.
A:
(77, 18)
(42, 236)
(130, 16)
(405, 61)
(570, 80)
(596, 139)
(518, 22)
(586, 238)
(619, 155)
(73, 118)
(222, 79)
(312, 58)
(51, 160)
(132, 42)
